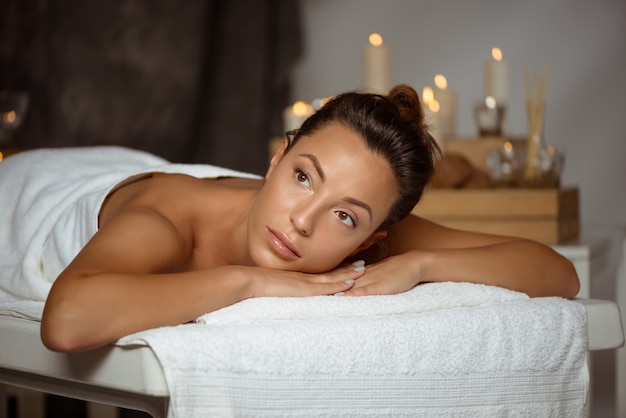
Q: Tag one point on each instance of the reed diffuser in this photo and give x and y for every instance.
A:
(536, 89)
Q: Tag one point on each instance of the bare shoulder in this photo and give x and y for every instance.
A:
(140, 228)
(173, 215)
(416, 233)
(158, 192)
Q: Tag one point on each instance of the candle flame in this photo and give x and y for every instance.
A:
(434, 106)
(490, 102)
(508, 147)
(376, 39)
(300, 108)
(427, 95)
(441, 82)
(9, 116)
(496, 53)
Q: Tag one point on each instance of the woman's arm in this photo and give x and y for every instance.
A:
(423, 251)
(129, 278)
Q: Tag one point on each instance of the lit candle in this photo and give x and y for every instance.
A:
(489, 117)
(431, 114)
(293, 117)
(296, 114)
(497, 83)
(447, 107)
(508, 165)
(376, 73)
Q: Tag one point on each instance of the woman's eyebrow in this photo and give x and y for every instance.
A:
(316, 164)
(360, 203)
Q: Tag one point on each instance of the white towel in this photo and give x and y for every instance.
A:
(442, 349)
(26, 309)
(49, 205)
(420, 299)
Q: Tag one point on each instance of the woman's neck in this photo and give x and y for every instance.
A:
(225, 229)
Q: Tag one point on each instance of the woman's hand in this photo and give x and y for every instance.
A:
(392, 275)
(281, 283)
(446, 254)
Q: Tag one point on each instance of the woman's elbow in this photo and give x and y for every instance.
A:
(569, 282)
(60, 330)
(55, 341)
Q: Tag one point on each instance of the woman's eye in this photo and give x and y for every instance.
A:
(346, 219)
(303, 178)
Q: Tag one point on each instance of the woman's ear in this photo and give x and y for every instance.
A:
(277, 157)
(373, 239)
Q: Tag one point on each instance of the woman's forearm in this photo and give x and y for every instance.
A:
(86, 312)
(519, 265)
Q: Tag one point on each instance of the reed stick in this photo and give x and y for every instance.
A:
(536, 90)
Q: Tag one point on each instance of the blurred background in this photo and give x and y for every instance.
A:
(583, 42)
(192, 81)
(206, 81)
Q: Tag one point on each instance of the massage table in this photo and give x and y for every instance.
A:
(455, 349)
(132, 376)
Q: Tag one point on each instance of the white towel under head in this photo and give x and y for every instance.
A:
(420, 299)
(442, 349)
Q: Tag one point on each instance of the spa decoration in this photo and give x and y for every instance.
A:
(296, 114)
(497, 74)
(13, 108)
(431, 114)
(293, 117)
(376, 67)
(489, 117)
(536, 90)
(447, 100)
(508, 165)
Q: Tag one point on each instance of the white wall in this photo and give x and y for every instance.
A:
(583, 41)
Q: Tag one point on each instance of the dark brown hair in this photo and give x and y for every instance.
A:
(392, 126)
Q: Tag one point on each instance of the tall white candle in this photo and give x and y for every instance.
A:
(497, 78)
(376, 66)
(447, 108)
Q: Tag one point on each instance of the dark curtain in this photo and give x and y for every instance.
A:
(193, 81)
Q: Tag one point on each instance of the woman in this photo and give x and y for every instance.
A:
(172, 247)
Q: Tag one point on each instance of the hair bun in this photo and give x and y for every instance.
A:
(408, 103)
(410, 107)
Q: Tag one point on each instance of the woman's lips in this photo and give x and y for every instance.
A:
(282, 245)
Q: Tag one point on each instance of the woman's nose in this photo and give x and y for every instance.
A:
(303, 219)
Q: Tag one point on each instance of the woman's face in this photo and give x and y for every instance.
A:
(322, 202)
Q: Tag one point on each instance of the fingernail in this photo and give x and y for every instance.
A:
(349, 281)
(339, 294)
(359, 263)
(359, 268)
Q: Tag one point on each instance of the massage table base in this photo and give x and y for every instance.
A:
(156, 406)
(120, 376)
(133, 378)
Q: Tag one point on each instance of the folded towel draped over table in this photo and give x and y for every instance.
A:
(441, 349)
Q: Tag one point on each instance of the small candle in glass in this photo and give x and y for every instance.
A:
(489, 117)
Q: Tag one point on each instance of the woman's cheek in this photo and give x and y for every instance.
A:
(326, 256)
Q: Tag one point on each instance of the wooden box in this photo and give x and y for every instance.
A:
(550, 216)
